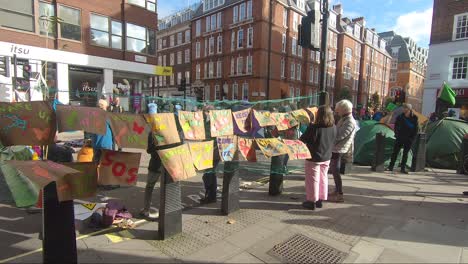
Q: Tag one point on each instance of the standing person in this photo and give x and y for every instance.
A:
(346, 129)
(319, 138)
(102, 141)
(154, 170)
(115, 106)
(209, 177)
(406, 129)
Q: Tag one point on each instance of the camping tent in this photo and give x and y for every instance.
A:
(364, 145)
(444, 140)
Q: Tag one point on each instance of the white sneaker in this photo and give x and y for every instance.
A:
(152, 213)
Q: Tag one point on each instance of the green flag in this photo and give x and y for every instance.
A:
(391, 107)
(447, 94)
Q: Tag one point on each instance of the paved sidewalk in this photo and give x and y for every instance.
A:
(386, 218)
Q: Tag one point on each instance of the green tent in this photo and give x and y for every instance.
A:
(364, 123)
(444, 140)
(364, 145)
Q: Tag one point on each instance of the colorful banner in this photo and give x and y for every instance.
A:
(79, 185)
(264, 118)
(79, 118)
(178, 162)
(271, 147)
(118, 168)
(313, 111)
(247, 149)
(227, 147)
(202, 154)
(242, 121)
(193, 125)
(27, 123)
(284, 121)
(163, 71)
(297, 150)
(164, 128)
(302, 116)
(129, 130)
(221, 123)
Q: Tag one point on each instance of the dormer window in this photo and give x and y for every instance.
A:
(301, 4)
(211, 4)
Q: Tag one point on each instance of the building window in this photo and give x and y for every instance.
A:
(317, 56)
(187, 36)
(70, 27)
(316, 79)
(285, 17)
(219, 69)
(347, 72)
(187, 56)
(357, 65)
(249, 64)
(240, 38)
(187, 76)
(240, 65)
(245, 91)
(349, 54)
(211, 69)
(179, 78)
(213, 22)
(164, 60)
(235, 15)
(311, 75)
(219, 20)
(283, 67)
(459, 68)
(298, 92)
(235, 91)
(232, 66)
(299, 51)
(217, 92)
(208, 23)
(198, 28)
(242, 12)
(171, 59)
(461, 26)
(211, 46)
(220, 44)
(250, 37)
(294, 46)
(295, 22)
(291, 92)
(148, 4)
(172, 41)
(197, 71)
(233, 40)
(17, 15)
(393, 76)
(179, 57)
(197, 50)
(179, 38)
(249, 9)
(172, 80)
(211, 4)
(46, 13)
(293, 71)
(139, 39)
(299, 72)
(283, 43)
(105, 34)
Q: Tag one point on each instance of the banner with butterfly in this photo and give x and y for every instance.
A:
(202, 154)
(80, 185)
(227, 147)
(192, 124)
(129, 130)
(284, 121)
(80, 118)
(247, 149)
(27, 123)
(178, 162)
(272, 147)
(164, 128)
(221, 123)
(297, 150)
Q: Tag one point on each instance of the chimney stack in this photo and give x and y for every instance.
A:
(338, 9)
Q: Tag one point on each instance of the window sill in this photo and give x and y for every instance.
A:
(240, 75)
(241, 23)
(141, 7)
(218, 30)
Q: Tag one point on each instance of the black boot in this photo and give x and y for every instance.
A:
(319, 204)
(309, 205)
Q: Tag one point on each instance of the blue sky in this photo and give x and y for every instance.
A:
(410, 18)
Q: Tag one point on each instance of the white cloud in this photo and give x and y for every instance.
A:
(416, 25)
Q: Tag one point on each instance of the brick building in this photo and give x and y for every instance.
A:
(174, 49)
(448, 56)
(97, 48)
(408, 70)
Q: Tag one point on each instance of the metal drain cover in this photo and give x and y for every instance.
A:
(301, 249)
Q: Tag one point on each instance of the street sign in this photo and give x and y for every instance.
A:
(163, 71)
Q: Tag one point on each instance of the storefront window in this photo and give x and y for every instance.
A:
(131, 88)
(85, 85)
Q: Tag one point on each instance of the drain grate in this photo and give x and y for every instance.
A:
(301, 249)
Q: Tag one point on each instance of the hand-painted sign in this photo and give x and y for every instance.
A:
(164, 128)
(247, 149)
(118, 168)
(263, 118)
(178, 162)
(227, 147)
(284, 121)
(27, 123)
(221, 123)
(202, 154)
(88, 119)
(271, 147)
(242, 120)
(301, 116)
(192, 124)
(129, 130)
(297, 150)
(79, 185)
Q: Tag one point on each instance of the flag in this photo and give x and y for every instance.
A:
(447, 94)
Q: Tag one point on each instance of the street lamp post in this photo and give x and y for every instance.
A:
(323, 97)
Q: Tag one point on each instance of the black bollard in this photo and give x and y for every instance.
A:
(230, 198)
(170, 212)
(419, 155)
(59, 237)
(379, 161)
(277, 171)
(463, 158)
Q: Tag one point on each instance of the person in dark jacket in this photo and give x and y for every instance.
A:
(320, 139)
(209, 177)
(406, 129)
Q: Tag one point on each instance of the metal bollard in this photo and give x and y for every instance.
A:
(419, 155)
(379, 161)
(463, 159)
(276, 175)
(59, 237)
(170, 212)
(230, 198)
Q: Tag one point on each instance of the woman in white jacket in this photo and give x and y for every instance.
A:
(344, 145)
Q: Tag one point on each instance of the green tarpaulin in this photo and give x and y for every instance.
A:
(444, 140)
(364, 145)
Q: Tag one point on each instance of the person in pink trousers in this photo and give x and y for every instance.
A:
(319, 138)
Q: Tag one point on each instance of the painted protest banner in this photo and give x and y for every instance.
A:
(242, 122)
(313, 111)
(227, 147)
(247, 149)
(263, 118)
(284, 121)
(297, 150)
(129, 130)
(221, 123)
(79, 185)
(164, 128)
(118, 168)
(88, 119)
(301, 116)
(202, 154)
(27, 123)
(193, 125)
(178, 162)
(272, 147)
(41, 172)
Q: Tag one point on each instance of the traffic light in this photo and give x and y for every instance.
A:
(183, 85)
(403, 97)
(4, 66)
(27, 71)
(309, 33)
(397, 97)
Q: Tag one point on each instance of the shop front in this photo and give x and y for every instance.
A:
(461, 106)
(85, 85)
(132, 88)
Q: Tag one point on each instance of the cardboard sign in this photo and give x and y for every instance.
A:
(242, 120)
(178, 162)
(27, 123)
(297, 150)
(79, 185)
(202, 154)
(88, 119)
(284, 121)
(271, 147)
(164, 128)
(193, 125)
(227, 147)
(264, 118)
(118, 168)
(247, 149)
(129, 130)
(221, 123)
(301, 116)
(85, 210)
(42, 172)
